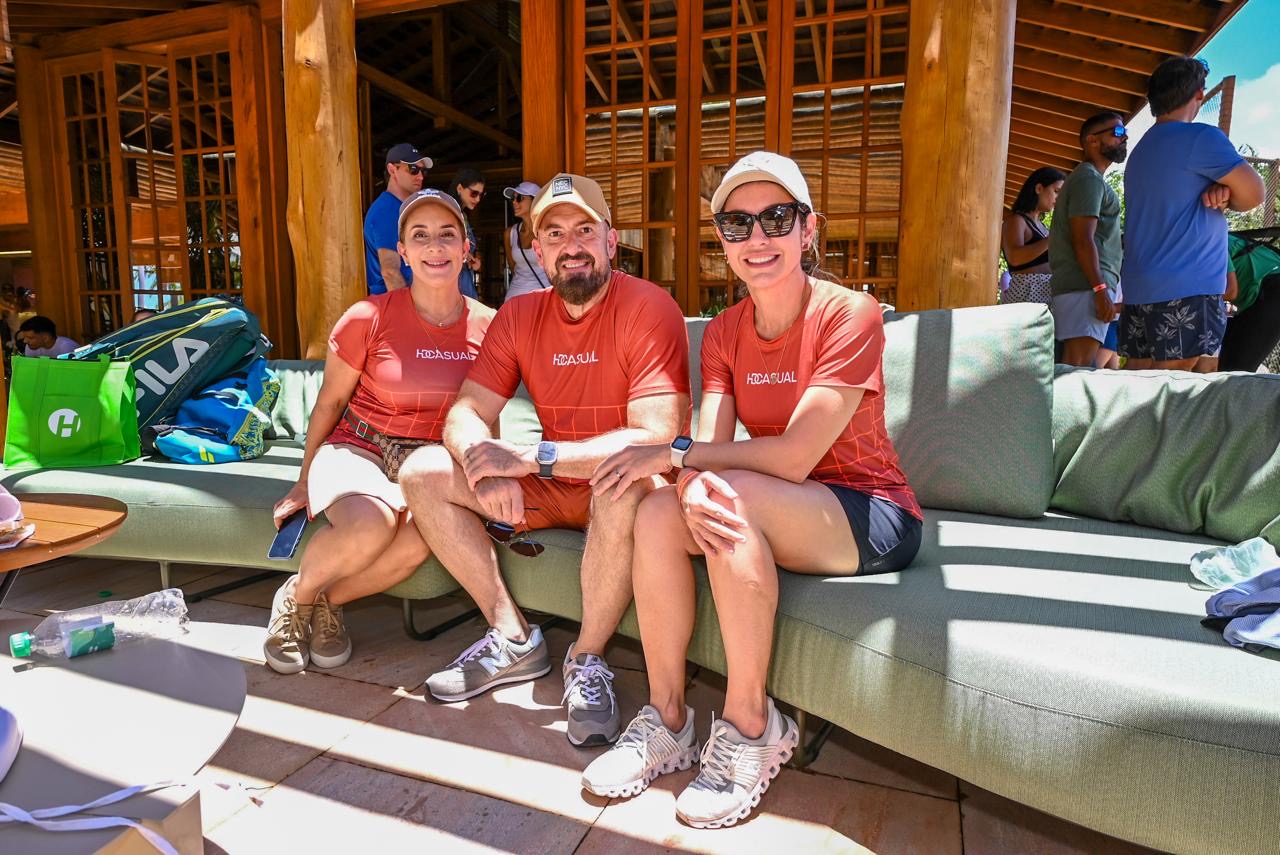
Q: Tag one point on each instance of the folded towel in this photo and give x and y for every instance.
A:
(1254, 631)
(1254, 595)
(1221, 566)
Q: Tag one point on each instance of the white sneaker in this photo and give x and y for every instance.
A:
(735, 772)
(646, 749)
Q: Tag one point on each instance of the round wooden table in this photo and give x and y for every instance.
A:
(65, 524)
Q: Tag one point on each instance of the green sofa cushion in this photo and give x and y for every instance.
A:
(1182, 452)
(1057, 661)
(217, 514)
(968, 405)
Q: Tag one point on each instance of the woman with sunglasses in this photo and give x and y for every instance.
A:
(816, 489)
(527, 274)
(395, 363)
(468, 189)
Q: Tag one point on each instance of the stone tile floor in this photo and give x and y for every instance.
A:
(356, 757)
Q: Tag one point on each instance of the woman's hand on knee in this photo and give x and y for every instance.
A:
(707, 505)
(294, 500)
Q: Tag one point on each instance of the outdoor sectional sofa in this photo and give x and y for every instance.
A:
(1045, 644)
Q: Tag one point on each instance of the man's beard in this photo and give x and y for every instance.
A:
(1117, 154)
(577, 289)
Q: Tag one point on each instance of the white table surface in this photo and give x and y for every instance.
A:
(148, 711)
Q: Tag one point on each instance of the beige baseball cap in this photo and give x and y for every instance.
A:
(763, 166)
(576, 190)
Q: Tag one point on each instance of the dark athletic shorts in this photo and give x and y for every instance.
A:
(1173, 330)
(888, 537)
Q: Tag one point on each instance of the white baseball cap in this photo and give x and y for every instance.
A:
(524, 188)
(762, 166)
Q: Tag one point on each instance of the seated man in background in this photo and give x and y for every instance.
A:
(40, 337)
(605, 358)
(1255, 330)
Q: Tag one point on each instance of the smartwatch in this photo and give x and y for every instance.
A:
(679, 448)
(546, 458)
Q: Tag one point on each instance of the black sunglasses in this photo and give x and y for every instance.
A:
(414, 169)
(775, 221)
(508, 536)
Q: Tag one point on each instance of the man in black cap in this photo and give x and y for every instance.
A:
(384, 269)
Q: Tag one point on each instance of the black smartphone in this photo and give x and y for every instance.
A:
(287, 538)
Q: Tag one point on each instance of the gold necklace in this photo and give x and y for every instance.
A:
(449, 318)
(786, 341)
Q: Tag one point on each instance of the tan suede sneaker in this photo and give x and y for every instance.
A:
(289, 632)
(330, 642)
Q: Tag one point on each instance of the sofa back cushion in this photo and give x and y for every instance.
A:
(300, 381)
(960, 385)
(1171, 450)
(968, 405)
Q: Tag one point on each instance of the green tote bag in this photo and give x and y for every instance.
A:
(67, 413)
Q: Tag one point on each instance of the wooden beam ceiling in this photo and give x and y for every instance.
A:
(430, 106)
(1074, 58)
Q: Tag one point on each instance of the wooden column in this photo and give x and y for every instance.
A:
(542, 87)
(325, 220)
(955, 125)
(55, 284)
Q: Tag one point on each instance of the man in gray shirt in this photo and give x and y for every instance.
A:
(1084, 243)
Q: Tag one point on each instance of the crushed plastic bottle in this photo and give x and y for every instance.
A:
(1224, 566)
(162, 614)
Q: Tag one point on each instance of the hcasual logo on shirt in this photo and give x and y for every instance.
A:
(445, 355)
(770, 378)
(560, 360)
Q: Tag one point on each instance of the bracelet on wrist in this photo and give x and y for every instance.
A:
(1101, 286)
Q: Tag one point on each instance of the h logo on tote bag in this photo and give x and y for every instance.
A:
(64, 422)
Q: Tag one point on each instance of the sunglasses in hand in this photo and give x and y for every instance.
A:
(510, 537)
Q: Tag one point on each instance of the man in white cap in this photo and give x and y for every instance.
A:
(384, 269)
(605, 358)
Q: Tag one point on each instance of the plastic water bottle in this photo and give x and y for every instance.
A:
(102, 626)
(1224, 566)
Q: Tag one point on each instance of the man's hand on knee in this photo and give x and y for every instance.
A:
(501, 499)
(496, 458)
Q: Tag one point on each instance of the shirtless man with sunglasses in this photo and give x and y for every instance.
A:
(605, 357)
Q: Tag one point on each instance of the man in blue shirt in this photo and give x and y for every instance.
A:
(1180, 179)
(383, 267)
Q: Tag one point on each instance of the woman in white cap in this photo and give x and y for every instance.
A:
(395, 363)
(816, 489)
(526, 271)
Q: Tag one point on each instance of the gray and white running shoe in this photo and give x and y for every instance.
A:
(492, 661)
(736, 771)
(588, 696)
(646, 749)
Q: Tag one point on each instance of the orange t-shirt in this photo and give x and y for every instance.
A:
(839, 341)
(409, 370)
(582, 373)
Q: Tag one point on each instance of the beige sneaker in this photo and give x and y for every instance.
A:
(289, 632)
(330, 642)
